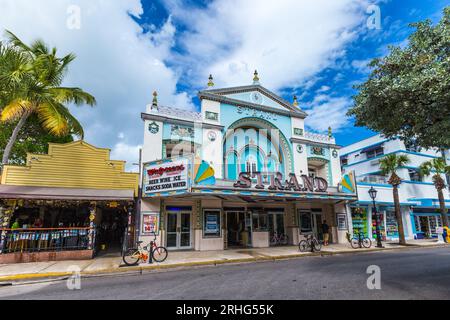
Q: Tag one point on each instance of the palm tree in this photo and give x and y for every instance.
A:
(389, 166)
(439, 168)
(33, 76)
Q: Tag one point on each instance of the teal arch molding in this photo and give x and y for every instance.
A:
(263, 124)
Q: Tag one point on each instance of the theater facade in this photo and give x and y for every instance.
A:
(241, 172)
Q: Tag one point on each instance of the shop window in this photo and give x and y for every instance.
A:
(305, 221)
(211, 223)
(391, 224)
(375, 153)
(359, 220)
(259, 222)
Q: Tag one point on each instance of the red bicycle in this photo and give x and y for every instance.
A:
(132, 256)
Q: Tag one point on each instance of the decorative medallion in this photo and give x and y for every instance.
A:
(153, 127)
(212, 136)
(256, 97)
(299, 148)
(335, 153)
(318, 151)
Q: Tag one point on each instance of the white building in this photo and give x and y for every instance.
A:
(418, 196)
(239, 171)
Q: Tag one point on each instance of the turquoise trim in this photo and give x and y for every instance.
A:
(417, 182)
(383, 155)
(371, 145)
(432, 199)
(374, 184)
(369, 203)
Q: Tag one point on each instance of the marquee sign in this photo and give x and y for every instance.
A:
(167, 176)
(276, 182)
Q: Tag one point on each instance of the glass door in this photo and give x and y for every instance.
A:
(185, 230)
(179, 230)
(317, 225)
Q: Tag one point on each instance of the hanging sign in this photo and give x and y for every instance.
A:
(168, 176)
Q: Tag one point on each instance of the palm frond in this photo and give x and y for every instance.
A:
(72, 95)
(425, 168)
(15, 109)
(14, 40)
(52, 119)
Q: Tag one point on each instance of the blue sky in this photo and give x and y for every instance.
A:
(348, 70)
(126, 49)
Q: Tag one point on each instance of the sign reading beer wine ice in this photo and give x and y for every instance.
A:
(168, 176)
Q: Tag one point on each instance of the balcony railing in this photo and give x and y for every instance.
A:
(372, 179)
(317, 137)
(39, 239)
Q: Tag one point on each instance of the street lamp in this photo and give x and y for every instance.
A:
(373, 195)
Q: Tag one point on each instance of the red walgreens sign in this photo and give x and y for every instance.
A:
(168, 170)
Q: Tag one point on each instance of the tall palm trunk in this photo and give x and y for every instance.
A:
(398, 215)
(443, 208)
(13, 137)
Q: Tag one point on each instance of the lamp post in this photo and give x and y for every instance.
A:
(373, 195)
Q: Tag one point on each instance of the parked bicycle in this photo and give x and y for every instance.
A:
(360, 241)
(310, 244)
(279, 239)
(132, 256)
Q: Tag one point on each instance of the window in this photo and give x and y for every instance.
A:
(312, 173)
(211, 223)
(344, 161)
(212, 115)
(305, 222)
(414, 175)
(375, 153)
(259, 221)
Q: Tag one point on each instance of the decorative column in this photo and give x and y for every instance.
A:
(292, 226)
(162, 215)
(91, 234)
(197, 223)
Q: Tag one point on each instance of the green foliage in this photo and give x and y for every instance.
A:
(407, 94)
(32, 139)
(392, 162)
(437, 165)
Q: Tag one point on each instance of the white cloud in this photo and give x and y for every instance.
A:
(115, 62)
(288, 41)
(327, 111)
(129, 153)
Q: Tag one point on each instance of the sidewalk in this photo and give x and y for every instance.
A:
(107, 265)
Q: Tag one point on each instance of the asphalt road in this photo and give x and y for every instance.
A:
(405, 274)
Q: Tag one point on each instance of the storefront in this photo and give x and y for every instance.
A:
(71, 203)
(425, 221)
(222, 214)
(242, 172)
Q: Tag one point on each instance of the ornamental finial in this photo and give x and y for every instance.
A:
(255, 77)
(155, 100)
(330, 133)
(295, 103)
(210, 81)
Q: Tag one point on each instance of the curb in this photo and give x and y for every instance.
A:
(14, 279)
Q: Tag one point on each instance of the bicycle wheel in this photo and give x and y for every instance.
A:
(303, 246)
(131, 257)
(317, 245)
(367, 243)
(160, 254)
(355, 243)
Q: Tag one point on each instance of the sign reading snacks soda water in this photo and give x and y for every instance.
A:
(169, 176)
